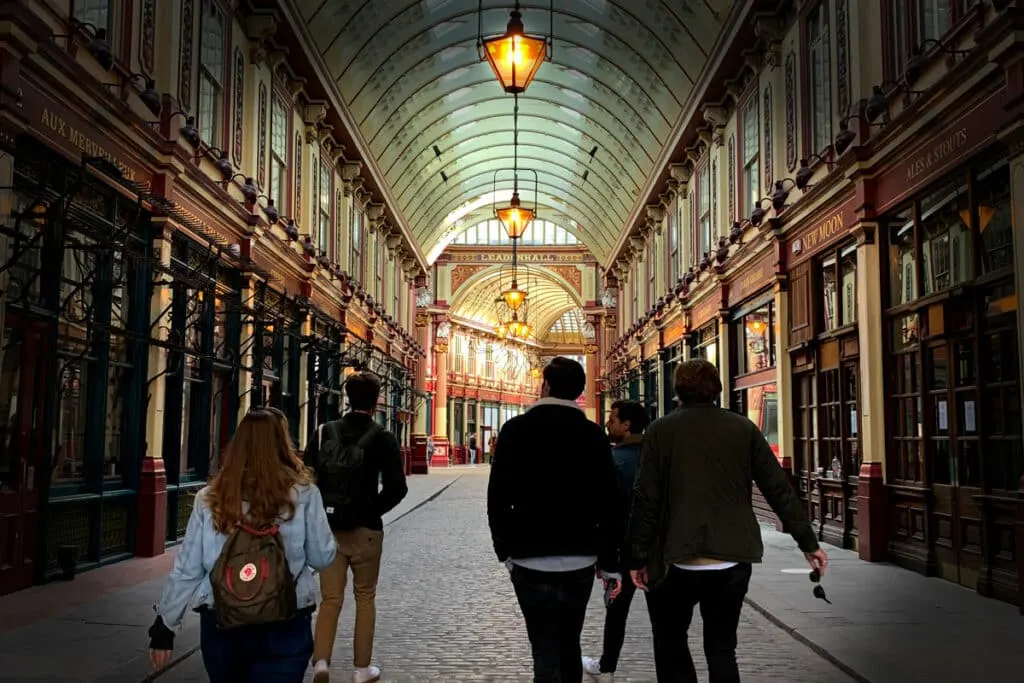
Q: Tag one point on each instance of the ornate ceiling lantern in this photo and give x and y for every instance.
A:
(514, 56)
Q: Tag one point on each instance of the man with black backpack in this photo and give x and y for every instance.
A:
(361, 477)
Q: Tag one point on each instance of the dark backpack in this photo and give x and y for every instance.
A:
(251, 581)
(339, 474)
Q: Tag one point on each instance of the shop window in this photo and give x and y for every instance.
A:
(10, 381)
(211, 71)
(378, 268)
(706, 345)
(995, 222)
(324, 212)
(902, 263)
(946, 256)
(839, 288)
(750, 145)
(761, 406)
(279, 129)
(819, 59)
(756, 332)
(848, 285)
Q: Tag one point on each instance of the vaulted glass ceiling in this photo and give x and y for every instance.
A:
(592, 123)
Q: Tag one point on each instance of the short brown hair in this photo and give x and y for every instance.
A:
(363, 390)
(697, 381)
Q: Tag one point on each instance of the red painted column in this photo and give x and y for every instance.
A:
(152, 501)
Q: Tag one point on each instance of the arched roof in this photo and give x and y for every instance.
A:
(409, 73)
(549, 296)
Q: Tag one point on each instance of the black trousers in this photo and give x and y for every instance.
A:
(720, 593)
(615, 625)
(554, 605)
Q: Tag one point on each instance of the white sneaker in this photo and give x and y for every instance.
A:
(369, 674)
(592, 667)
(321, 672)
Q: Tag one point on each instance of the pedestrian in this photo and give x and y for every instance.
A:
(492, 444)
(255, 535)
(625, 425)
(359, 469)
(693, 535)
(552, 477)
(472, 448)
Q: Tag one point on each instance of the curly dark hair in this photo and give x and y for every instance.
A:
(697, 381)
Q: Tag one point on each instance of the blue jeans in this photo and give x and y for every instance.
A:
(554, 605)
(271, 653)
(472, 456)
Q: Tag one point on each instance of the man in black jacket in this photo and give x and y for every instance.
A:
(359, 534)
(693, 535)
(549, 499)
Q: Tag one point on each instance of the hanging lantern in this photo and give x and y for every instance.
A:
(513, 297)
(514, 218)
(515, 56)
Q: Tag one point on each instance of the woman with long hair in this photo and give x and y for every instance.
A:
(262, 491)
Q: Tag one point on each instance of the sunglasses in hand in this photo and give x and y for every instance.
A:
(819, 591)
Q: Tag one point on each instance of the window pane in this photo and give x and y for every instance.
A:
(995, 222)
(208, 110)
(211, 46)
(902, 276)
(820, 81)
(751, 139)
(828, 285)
(945, 242)
(95, 12)
(757, 342)
(279, 128)
(848, 286)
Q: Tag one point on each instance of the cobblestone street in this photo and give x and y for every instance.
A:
(446, 612)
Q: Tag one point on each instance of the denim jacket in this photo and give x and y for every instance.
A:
(308, 543)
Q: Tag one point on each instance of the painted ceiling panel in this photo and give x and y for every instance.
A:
(620, 75)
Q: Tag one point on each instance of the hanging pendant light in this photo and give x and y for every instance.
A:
(514, 57)
(513, 297)
(515, 218)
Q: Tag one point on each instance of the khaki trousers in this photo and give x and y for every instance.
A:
(359, 549)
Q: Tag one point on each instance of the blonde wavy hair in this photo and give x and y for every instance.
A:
(259, 467)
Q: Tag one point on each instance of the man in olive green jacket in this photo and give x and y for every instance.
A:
(692, 531)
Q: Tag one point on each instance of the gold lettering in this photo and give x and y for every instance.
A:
(83, 142)
(824, 231)
(938, 153)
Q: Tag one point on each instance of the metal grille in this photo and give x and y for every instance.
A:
(69, 525)
(186, 500)
(114, 526)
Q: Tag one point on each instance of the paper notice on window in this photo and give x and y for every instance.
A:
(943, 416)
(853, 423)
(969, 424)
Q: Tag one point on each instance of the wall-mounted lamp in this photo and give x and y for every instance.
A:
(845, 136)
(758, 214)
(919, 59)
(98, 46)
(805, 172)
(249, 190)
(224, 165)
(148, 95)
(190, 132)
(781, 193)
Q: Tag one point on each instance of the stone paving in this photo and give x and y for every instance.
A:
(446, 612)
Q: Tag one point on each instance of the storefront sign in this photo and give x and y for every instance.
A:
(672, 332)
(753, 278)
(706, 309)
(966, 134)
(68, 131)
(824, 230)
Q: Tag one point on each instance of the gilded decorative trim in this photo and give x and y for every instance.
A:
(148, 35)
(261, 139)
(843, 55)
(185, 61)
(239, 106)
(791, 111)
(732, 177)
(298, 174)
(767, 121)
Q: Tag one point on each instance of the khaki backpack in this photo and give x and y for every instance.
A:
(251, 581)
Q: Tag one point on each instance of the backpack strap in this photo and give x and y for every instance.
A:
(368, 435)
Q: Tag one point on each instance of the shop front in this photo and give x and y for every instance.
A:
(674, 339)
(824, 351)
(955, 455)
(75, 286)
(649, 377)
(704, 340)
(753, 338)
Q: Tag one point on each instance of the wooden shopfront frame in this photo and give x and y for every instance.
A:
(825, 369)
(954, 457)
